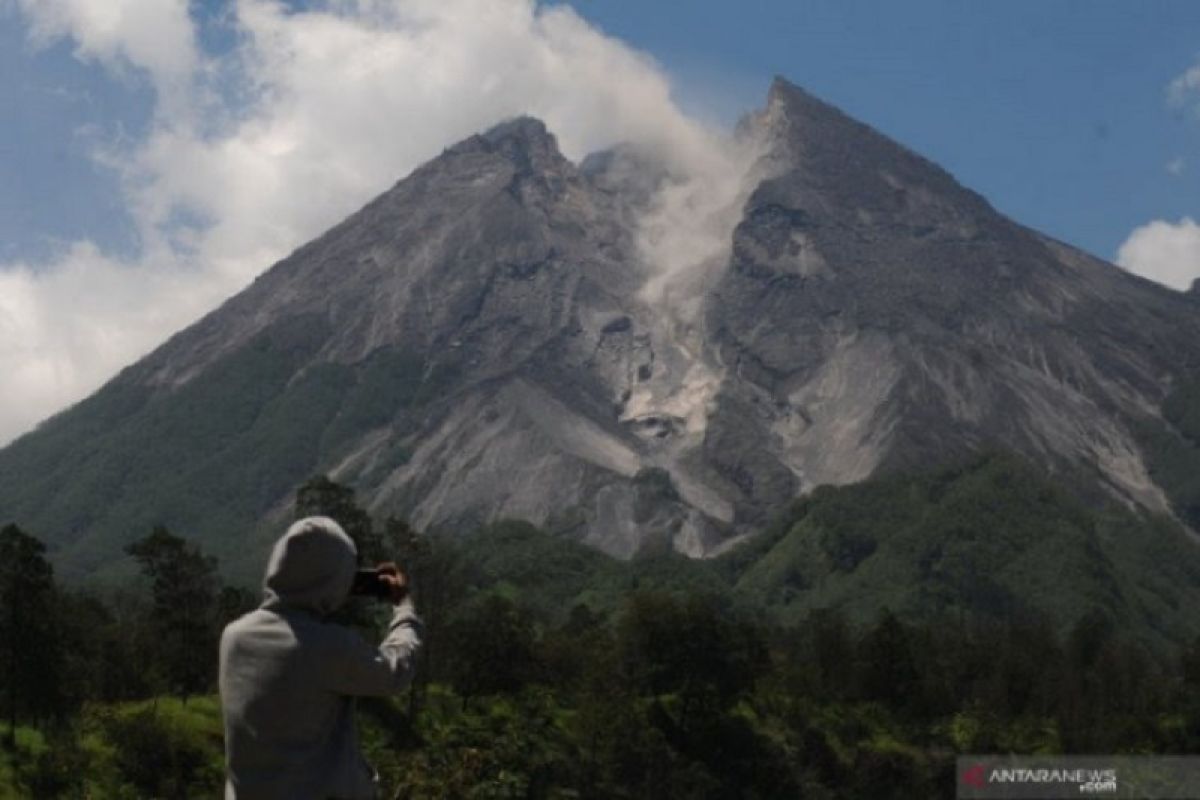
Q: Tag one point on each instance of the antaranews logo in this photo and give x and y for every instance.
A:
(982, 776)
(1033, 776)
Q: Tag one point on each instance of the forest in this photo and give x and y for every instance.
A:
(553, 671)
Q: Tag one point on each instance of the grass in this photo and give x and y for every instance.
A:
(30, 742)
(155, 747)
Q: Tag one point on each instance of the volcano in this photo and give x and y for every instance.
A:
(493, 337)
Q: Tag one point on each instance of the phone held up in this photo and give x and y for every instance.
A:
(370, 583)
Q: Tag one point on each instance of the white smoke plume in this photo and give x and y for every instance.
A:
(684, 241)
(301, 120)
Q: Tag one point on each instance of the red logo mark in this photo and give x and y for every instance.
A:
(975, 776)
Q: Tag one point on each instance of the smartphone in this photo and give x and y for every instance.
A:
(369, 583)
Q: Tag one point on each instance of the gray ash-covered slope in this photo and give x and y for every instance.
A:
(478, 343)
(878, 315)
(453, 350)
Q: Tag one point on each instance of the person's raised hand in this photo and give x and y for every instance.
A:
(395, 579)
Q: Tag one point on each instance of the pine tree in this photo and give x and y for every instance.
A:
(30, 653)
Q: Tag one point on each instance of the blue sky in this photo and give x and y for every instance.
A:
(159, 153)
(50, 187)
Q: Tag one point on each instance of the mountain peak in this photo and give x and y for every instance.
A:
(784, 91)
(825, 153)
(522, 139)
(523, 129)
(798, 107)
(817, 131)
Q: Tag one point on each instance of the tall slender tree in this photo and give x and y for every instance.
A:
(29, 661)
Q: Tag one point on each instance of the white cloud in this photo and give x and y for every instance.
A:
(1166, 252)
(1184, 89)
(152, 35)
(1176, 166)
(307, 117)
(64, 331)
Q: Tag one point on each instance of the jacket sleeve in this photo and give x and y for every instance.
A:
(360, 670)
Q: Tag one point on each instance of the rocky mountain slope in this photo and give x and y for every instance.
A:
(495, 337)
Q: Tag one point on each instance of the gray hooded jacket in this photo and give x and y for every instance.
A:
(287, 676)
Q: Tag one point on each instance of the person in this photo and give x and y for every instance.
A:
(288, 676)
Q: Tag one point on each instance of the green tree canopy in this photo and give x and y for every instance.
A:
(319, 496)
(184, 609)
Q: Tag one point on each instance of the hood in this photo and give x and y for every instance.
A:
(311, 567)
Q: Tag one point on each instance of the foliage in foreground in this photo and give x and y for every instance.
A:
(811, 663)
(674, 697)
